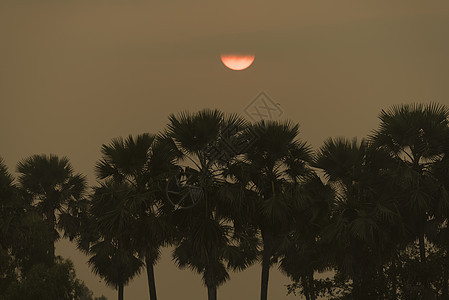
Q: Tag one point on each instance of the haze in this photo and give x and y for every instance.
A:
(75, 74)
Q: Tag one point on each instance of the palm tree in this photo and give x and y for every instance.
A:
(415, 134)
(54, 189)
(207, 241)
(111, 252)
(304, 254)
(440, 172)
(275, 160)
(25, 238)
(143, 163)
(364, 211)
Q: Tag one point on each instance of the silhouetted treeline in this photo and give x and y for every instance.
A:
(227, 194)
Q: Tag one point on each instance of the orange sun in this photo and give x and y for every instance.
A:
(237, 61)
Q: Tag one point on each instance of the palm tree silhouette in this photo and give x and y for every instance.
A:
(304, 253)
(363, 213)
(112, 255)
(207, 242)
(440, 171)
(143, 163)
(275, 160)
(54, 189)
(416, 134)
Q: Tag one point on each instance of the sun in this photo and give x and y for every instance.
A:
(237, 62)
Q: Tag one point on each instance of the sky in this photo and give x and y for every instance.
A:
(75, 74)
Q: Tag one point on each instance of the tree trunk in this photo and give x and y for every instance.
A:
(422, 248)
(305, 287)
(422, 255)
(211, 292)
(267, 239)
(445, 287)
(445, 292)
(120, 274)
(52, 225)
(151, 282)
(356, 284)
(312, 287)
(120, 291)
(394, 279)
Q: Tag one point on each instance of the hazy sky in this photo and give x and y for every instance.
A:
(75, 74)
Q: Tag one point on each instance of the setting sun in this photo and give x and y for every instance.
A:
(237, 62)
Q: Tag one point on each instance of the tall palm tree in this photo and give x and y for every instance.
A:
(364, 211)
(143, 163)
(54, 189)
(25, 239)
(304, 254)
(415, 134)
(207, 242)
(112, 256)
(275, 159)
(440, 172)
